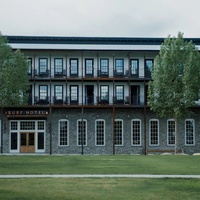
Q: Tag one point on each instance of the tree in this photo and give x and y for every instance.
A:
(14, 81)
(175, 80)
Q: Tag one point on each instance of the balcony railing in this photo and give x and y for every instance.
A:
(87, 100)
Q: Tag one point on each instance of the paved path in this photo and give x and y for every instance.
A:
(97, 176)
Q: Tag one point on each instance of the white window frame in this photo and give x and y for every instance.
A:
(168, 134)
(116, 120)
(104, 141)
(138, 120)
(19, 131)
(192, 120)
(80, 120)
(153, 120)
(59, 132)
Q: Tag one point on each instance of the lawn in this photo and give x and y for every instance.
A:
(97, 164)
(99, 188)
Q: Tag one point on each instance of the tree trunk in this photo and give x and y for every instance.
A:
(176, 135)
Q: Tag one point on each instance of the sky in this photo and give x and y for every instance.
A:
(100, 18)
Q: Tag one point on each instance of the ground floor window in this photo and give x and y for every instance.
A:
(82, 132)
(118, 129)
(154, 132)
(189, 132)
(136, 132)
(170, 132)
(63, 132)
(27, 136)
(100, 132)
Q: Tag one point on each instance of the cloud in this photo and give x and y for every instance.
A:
(126, 18)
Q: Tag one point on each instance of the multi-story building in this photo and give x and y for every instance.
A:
(89, 96)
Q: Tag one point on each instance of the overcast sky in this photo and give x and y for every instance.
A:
(112, 18)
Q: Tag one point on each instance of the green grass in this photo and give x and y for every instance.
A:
(108, 164)
(97, 189)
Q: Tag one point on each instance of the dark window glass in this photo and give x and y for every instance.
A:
(88, 66)
(43, 92)
(58, 92)
(104, 92)
(119, 65)
(43, 65)
(63, 133)
(13, 141)
(58, 65)
(100, 132)
(41, 140)
(74, 66)
(148, 66)
(104, 64)
(119, 92)
(74, 93)
(118, 132)
(135, 67)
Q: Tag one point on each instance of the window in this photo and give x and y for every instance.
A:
(189, 132)
(148, 66)
(73, 67)
(29, 66)
(88, 67)
(58, 92)
(43, 66)
(40, 140)
(134, 67)
(100, 132)
(104, 65)
(154, 132)
(104, 94)
(13, 125)
(171, 132)
(41, 125)
(43, 92)
(136, 132)
(58, 66)
(63, 132)
(119, 67)
(82, 132)
(27, 125)
(118, 132)
(119, 92)
(14, 140)
(74, 94)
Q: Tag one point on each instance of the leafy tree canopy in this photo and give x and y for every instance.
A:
(176, 75)
(14, 81)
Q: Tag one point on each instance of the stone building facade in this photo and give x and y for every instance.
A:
(89, 96)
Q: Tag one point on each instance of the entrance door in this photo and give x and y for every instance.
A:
(27, 142)
(89, 94)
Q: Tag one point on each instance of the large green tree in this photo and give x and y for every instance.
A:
(175, 80)
(14, 81)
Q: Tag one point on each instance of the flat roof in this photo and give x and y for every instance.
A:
(84, 40)
(52, 42)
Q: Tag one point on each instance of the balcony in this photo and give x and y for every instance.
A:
(118, 100)
(42, 101)
(118, 73)
(60, 74)
(102, 74)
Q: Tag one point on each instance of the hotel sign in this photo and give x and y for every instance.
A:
(23, 113)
